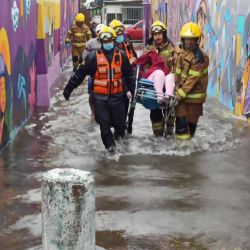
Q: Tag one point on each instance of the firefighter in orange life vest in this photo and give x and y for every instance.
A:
(191, 75)
(112, 73)
(78, 35)
(128, 48)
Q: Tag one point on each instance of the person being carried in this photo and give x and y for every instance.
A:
(108, 66)
(153, 67)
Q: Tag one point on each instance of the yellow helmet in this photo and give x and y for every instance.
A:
(115, 23)
(117, 26)
(80, 18)
(190, 30)
(157, 27)
(107, 33)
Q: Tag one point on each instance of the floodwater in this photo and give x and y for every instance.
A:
(153, 194)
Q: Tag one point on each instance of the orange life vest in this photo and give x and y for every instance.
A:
(108, 77)
(128, 50)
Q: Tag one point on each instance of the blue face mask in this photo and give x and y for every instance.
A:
(120, 39)
(108, 46)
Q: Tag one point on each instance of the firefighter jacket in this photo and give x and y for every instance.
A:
(191, 75)
(78, 36)
(108, 69)
(166, 51)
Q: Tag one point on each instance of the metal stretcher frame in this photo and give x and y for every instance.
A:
(143, 86)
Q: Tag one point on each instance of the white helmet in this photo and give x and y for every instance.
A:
(99, 27)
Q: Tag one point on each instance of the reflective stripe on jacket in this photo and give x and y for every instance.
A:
(78, 35)
(108, 77)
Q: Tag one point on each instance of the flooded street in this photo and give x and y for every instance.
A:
(153, 194)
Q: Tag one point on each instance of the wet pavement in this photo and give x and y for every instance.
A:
(153, 194)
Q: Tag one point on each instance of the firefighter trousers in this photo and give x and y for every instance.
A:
(109, 113)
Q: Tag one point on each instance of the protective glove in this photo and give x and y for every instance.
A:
(132, 60)
(66, 93)
(67, 44)
(177, 96)
(129, 95)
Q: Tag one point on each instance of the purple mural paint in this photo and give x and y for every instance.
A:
(147, 20)
(32, 63)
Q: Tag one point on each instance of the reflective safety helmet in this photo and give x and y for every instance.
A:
(106, 34)
(158, 27)
(80, 18)
(190, 30)
(99, 27)
(117, 26)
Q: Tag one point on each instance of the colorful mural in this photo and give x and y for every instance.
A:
(31, 38)
(54, 19)
(226, 38)
(17, 55)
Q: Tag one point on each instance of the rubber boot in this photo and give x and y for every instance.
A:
(158, 128)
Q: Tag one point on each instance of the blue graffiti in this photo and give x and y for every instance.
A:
(27, 5)
(227, 16)
(15, 15)
(1, 65)
(21, 91)
(241, 28)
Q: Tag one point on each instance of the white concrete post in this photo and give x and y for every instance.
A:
(68, 210)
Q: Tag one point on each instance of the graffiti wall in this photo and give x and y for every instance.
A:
(17, 66)
(226, 38)
(31, 35)
(53, 22)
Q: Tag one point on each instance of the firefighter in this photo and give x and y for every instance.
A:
(128, 48)
(111, 71)
(162, 44)
(78, 35)
(191, 76)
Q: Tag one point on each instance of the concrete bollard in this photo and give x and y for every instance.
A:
(68, 210)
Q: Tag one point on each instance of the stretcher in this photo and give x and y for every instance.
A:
(146, 95)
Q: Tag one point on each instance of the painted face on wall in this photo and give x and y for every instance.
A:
(201, 17)
(2, 94)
